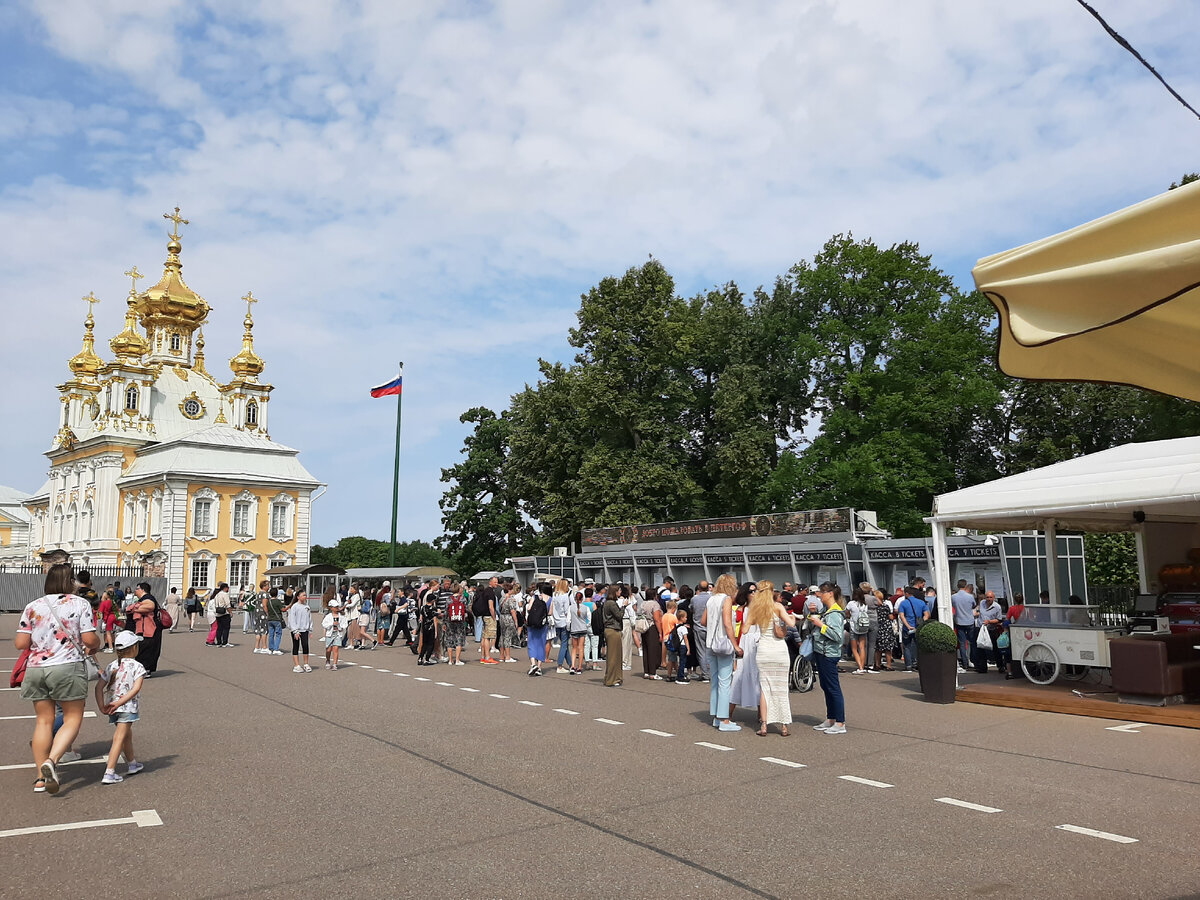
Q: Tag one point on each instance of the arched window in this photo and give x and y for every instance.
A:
(73, 523)
(131, 398)
(251, 413)
(87, 521)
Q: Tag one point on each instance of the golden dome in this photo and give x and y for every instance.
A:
(247, 364)
(171, 300)
(85, 363)
(129, 345)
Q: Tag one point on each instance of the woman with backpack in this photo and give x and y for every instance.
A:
(859, 619)
(537, 615)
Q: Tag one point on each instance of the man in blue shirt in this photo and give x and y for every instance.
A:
(911, 612)
(964, 606)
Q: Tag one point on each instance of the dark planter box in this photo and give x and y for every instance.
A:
(939, 676)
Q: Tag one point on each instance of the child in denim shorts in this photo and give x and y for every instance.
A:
(117, 696)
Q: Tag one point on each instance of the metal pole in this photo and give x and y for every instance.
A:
(396, 479)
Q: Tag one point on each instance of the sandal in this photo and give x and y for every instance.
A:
(42, 788)
(784, 732)
(762, 729)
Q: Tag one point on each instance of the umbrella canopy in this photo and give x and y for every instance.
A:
(1115, 300)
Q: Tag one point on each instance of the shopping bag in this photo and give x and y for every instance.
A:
(1002, 641)
(984, 640)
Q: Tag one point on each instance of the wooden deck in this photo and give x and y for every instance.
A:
(1059, 698)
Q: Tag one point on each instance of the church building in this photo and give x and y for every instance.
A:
(159, 463)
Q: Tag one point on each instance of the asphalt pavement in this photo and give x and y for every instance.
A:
(386, 779)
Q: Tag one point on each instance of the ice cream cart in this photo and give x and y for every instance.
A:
(1054, 641)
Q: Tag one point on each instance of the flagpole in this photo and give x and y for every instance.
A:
(396, 479)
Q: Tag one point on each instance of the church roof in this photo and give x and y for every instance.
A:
(10, 500)
(221, 453)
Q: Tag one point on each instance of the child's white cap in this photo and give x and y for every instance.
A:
(125, 640)
(335, 604)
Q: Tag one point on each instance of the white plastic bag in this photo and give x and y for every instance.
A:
(984, 640)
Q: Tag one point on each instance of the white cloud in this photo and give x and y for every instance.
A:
(398, 181)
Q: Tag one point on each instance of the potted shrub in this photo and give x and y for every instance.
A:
(937, 649)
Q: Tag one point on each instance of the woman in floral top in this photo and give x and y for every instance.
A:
(57, 629)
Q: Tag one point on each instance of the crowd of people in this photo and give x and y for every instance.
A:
(740, 640)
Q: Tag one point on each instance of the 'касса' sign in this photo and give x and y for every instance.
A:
(813, 521)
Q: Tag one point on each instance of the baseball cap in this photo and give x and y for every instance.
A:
(335, 604)
(387, 584)
(813, 589)
(126, 639)
(589, 581)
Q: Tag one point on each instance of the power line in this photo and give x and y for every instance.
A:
(1124, 43)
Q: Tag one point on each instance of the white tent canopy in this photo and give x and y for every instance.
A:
(1098, 492)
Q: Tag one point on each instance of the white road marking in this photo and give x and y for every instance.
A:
(443, 684)
(567, 712)
(965, 805)
(470, 690)
(609, 722)
(1131, 728)
(87, 715)
(867, 781)
(499, 696)
(712, 746)
(362, 666)
(142, 818)
(657, 733)
(783, 762)
(419, 678)
(402, 675)
(528, 703)
(1091, 832)
(381, 670)
(78, 762)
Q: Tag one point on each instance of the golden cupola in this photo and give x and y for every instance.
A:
(129, 346)
(170, 311)
(86, 364)
(247, 365)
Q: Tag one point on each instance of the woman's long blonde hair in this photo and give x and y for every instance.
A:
(562, 586)
(762, 605)
(726, 585)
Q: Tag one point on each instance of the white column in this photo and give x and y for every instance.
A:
(1050, 530)
(1139, 544)
(941, 572)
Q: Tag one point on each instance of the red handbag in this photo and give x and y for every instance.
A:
(18, 672)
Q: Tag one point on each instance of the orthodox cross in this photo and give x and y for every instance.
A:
(133, 275)
(250, 299)
(178, 220)
(91, 300)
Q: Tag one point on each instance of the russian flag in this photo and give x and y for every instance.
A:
(389, 388)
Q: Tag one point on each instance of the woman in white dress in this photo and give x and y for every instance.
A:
(771, 619)
(745, 690)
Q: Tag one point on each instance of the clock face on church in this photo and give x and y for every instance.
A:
(192, 407)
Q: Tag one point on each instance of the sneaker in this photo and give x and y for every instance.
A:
(306, 668)
(109, 778)
(537, 673)
(299, 670)
(445, 659)
(460, 663)
(50, 776)
(871, 670)
(716, 722)
(860, 671)
(961, 671)
(828, 723)
(70, 756)
(729, 726)
(277, 653)
(134, 767)
(328, 666)
(561, 671)
(836, 729)
(532, 669)
(683, 681)
(626, 668)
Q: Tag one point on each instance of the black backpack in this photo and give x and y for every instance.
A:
(537, 613)
(598, 619)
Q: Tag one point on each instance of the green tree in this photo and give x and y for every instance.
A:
(1188, 178)
(482, 521)
(357, 552)
(1111, 559)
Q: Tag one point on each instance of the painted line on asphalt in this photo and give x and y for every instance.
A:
(783, 762)
(419, 678)
(499, 696)
(567, 712)
(142, 818)
(77, 762)
(712, 746)
(867, 781)
(1103, 835)
(528, 703)
(382, 670)
(965, 805)
(470, 690)
(1131, 728)
(443, 684)
(360, 665)
(657, 733)
(609, 722)
(402, 675)
(87, 715)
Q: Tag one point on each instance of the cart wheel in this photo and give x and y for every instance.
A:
(1074, 673)
(803, 675)
(1040, 663)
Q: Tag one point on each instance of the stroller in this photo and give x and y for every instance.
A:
(803, 675)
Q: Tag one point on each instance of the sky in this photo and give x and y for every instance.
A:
(440, 182)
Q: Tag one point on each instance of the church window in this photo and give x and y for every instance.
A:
(156, 513)
(131, 398)
(241, 518)
(202, 518)
(176, 343)
(251, 413)
(200, 570)
(87, 520)
(143, 516)
(127, 525)
(192, 408)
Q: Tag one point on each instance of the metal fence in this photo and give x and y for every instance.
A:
(1115, 602)
(18, 588)
(100, 574)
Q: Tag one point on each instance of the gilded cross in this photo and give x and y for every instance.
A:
(91, 300)
(133, 275)
(249, 299)
(178, 220)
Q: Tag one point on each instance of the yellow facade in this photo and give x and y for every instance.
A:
(5, 536)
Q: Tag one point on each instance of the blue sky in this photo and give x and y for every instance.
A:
(439, 182)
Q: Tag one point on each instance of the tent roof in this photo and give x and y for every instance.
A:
(1098, 492)
(399, 572)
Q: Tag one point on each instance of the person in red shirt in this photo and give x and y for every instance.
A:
(108, 619)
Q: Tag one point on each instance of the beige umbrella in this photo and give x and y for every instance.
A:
(1115, 300)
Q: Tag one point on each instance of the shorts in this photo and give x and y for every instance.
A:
(122, 718)
(65, 682)
(489, 628)
(456, 635)
(672, 657)
(384, 623)
(364, 620)
(575, 635)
